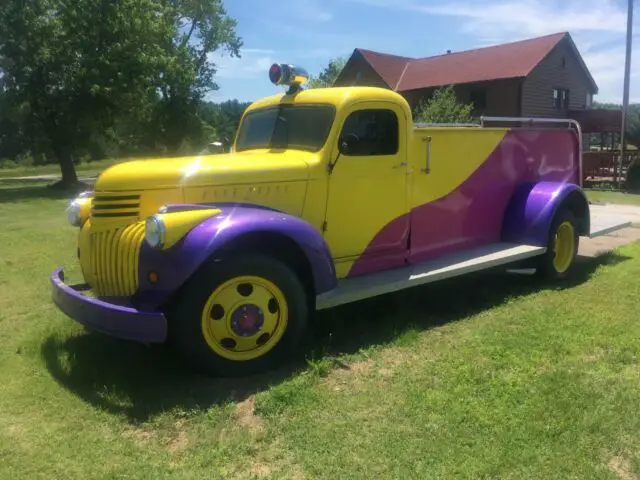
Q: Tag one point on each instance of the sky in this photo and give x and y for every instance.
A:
(310, 33)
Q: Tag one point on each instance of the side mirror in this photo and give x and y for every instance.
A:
(348, 144)
(215, 147)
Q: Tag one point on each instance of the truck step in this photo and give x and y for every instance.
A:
(603, 221)
(448, 266)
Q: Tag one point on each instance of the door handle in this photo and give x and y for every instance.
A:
(400, 165)
(427, 168)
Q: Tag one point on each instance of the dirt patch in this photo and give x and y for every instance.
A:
(361, 367)
(245, 415)
(140, 436)
(622, 468)
(260, 470)
(297, 474)
(594, 356)
(181, 440)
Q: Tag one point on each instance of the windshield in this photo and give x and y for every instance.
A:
(302, 127)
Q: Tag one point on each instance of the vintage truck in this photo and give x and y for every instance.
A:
(328, 196)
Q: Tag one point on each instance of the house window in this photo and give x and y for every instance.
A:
(479, 98)
(589, 101)
(561, 98)
(375, 132)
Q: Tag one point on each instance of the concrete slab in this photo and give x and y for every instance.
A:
(631, 212)
(593, 247)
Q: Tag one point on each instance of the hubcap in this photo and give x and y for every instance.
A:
(244, 318)
(247, 320)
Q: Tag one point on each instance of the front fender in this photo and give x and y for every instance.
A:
(531, 210)
(176, 264)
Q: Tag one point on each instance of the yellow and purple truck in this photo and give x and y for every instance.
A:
(328, 196)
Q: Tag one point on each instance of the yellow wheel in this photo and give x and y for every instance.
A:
(562, 247)
(244, 318)
(242, 315)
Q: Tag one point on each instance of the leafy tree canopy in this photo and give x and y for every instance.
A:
(443, 107)
(328, 75)
(74, 70)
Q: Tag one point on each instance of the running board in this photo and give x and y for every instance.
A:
(448, 266)
(604, 222)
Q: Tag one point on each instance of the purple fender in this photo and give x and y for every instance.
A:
(176, 264)
(531, 210)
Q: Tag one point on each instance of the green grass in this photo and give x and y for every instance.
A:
(486, 376)
(623, 198)
(90, 168)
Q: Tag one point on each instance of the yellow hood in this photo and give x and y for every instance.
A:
(253, 166)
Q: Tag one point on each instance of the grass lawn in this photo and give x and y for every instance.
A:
(603, 196)
(83, 168)
(486, 376)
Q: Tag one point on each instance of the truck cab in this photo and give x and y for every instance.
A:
(328, 196)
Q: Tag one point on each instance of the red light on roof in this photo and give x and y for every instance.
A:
(275, 73)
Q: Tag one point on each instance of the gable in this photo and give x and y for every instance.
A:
(498, 62)
(358, 71)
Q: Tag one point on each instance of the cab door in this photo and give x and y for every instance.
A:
(367, 221)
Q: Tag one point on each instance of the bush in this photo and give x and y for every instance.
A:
(25, 160)
(6, 163)
(632, 181)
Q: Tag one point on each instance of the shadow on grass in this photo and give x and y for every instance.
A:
(383, 319)
(18, 190)
(140, 382)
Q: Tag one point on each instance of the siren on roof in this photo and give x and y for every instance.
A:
(283, 74)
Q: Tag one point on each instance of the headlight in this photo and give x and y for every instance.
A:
(155, 232)
(73, 214)
(79, 209)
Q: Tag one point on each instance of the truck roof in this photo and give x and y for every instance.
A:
(337, 96)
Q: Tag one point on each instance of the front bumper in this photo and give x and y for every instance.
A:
(109, 319)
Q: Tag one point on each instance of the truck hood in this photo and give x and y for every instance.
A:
(253, 166)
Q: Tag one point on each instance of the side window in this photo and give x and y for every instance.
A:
(372, 132)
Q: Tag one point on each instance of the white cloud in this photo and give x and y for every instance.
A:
(598, 28)
(310, 10)
(534, 17)
(252, 63)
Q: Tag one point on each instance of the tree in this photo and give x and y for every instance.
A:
(328, 75)
(185, 80)
(443, 107)
(224, 118)
(72, 70)
(633, 120)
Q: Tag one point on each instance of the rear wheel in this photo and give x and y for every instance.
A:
(243, 315)
(562, 247)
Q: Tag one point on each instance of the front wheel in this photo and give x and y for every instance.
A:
(562, 247)
(242, 315)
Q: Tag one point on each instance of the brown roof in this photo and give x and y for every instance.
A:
(509, 60)
(389, 67)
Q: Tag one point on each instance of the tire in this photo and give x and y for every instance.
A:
(218, 332)
(558, 261)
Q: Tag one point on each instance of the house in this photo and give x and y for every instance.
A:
(539, 77)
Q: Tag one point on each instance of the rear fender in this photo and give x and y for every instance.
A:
(531, 210)
(176, 264)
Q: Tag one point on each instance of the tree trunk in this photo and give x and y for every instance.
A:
(68, 169)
